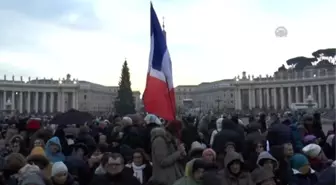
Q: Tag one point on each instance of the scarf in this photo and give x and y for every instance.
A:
(138, 171)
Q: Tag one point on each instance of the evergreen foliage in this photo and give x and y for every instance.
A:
(124, 103)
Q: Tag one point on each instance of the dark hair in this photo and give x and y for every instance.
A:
(198, 163)
(145, 157)
(109, 155)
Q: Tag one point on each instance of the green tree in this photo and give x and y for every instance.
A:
(299, 63)
(124, 103)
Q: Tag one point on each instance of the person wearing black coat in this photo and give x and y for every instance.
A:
(231, 132)
(116, 173)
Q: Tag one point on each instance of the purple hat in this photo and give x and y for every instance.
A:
(309, 139)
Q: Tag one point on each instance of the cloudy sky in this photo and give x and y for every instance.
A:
(208, 39)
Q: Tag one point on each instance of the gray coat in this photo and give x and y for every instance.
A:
(165, 157)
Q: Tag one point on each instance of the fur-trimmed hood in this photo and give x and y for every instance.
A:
(11, 140)
(158, 132)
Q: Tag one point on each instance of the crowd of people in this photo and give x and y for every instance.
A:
(145, 150)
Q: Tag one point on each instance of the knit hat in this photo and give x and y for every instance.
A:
(298, 160)
(127, 120)
(37, 151)
(209, 151)
(309, 139)
(312, 150)
(33, 124)
(58, 167)
(15, 161)
(151, 118)
(196, 149)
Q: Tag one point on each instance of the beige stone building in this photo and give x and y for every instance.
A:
(48, 95)
(280, 91)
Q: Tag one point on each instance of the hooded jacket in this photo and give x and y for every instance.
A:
(59, 156)
(188, 177)
(165, 157)
(267, 156)
(243, 178)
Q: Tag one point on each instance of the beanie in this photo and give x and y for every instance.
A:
(15, 161)
(309, 139)
(151, 118)
(298, 160)
(58, 167)
(209, 151)
(312, 150)
(37, 151)
(198, 163)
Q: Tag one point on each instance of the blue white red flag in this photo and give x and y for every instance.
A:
(159, 95)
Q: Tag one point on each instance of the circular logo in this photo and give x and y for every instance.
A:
(281, 32)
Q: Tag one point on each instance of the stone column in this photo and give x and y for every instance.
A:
(52, 102)
(312, 92)
(334, 96)
(268, 103)
(304, 93)
(13, 100)
(275, 103)
(59, 97)
(320, 103)
(74, 100)
(238, 99)
(28, 102)
(21, 102)
(36, 102)
(289, 92)
(4, 98)
(282, 98)
(297, 94)
(327, 96)
(44, 101)
(260, 98)
(250, 98)
(77, 100)
(253, 98)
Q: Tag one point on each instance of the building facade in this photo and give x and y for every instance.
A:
(271, 92)
(48, 96)
(287, 87)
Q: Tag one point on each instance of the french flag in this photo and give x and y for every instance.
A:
(159, 95)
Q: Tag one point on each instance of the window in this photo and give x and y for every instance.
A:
(85, 97)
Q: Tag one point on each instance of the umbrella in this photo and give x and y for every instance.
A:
(72, 117)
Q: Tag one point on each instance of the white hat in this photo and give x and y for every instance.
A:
(197, 145)
(127, 120)
(58, 167)
(312, 150)
(151, 118)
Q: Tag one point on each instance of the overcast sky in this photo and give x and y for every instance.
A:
(208, 39)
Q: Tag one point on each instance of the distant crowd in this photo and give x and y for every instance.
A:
(274, 149)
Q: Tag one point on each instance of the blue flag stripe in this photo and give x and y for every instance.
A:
(160, 46)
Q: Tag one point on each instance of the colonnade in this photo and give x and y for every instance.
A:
(37, 101)
(282, 97)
